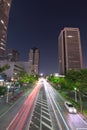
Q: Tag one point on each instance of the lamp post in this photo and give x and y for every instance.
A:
(7, 93)
(75, 94)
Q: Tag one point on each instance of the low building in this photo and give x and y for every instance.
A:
(15, 68)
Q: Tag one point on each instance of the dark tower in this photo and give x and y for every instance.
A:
(69, 49)
(13, 55)
(34, 60)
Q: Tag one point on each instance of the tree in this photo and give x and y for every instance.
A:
(79, 79)
(26, 78)
(2, 90)
(3, 68)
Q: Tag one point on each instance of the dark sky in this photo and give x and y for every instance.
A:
(39, 22)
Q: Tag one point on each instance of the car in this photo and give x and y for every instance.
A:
(69, 106)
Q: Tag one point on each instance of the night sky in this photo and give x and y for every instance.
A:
(37, 23)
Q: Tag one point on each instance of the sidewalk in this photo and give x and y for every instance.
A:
(5, 106)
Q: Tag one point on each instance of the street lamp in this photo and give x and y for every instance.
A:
(41, 74)
(75, 94)
(8, 86)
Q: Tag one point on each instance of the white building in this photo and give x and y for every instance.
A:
(15, 68)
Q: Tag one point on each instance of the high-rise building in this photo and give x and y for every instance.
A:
(69, 50)
(13, 55)
(34, 61)
(4, 17)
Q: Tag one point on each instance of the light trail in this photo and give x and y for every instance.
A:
(60, 114)
(82, 120)
(21, 117)
(50, 95)
(59, 125)
(76, 122)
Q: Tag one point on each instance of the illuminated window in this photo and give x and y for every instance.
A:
(5, 27)
(10, 54)
(2, 48)
(2, 21)
(8, 4)
(69, 36)
(2, 43)
(2, 40)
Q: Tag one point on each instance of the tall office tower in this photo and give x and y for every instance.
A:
(13, 55)
(4, 17)
(69, 50)
(34, 61)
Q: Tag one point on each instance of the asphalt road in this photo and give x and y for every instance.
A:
(10, 110)
(66, 121)
(49, 112)
(41, 119)
(42, 109)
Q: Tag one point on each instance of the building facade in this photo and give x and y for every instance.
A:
(69, 50)
(34, 61)
(14, 69)
(13, 55)
(4, 17)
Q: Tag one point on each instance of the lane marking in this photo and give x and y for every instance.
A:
(59, 125)
(81, 128)
(8, 110)
(44, 117)
(57, 110)
(43, 123)
(12, 121)
(82, 120)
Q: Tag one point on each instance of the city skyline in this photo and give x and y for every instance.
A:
(39, 23)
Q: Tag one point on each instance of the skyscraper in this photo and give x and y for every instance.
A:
(69, 50)
(4, 17)
(34, 61)
(13, 55)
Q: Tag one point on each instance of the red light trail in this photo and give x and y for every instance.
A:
(22, 115)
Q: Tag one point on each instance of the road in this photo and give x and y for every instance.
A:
(66, 120)
(49, 112)
(42, 109)
(15, 111)
(20, 118)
